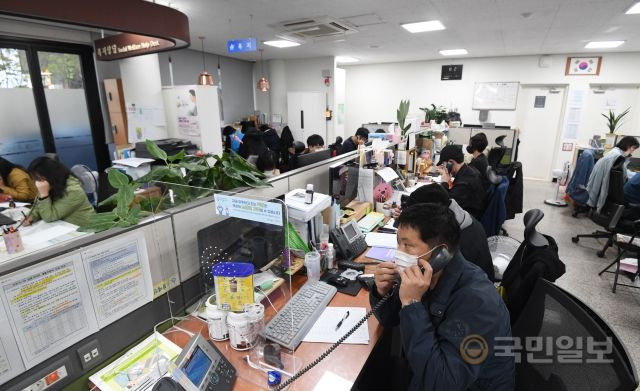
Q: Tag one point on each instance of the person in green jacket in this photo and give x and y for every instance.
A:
(60, 194)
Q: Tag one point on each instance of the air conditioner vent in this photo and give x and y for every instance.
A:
(313, 29)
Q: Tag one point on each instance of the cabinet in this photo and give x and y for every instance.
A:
(117, 112)
(306, 115)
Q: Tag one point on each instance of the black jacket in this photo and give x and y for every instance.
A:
(272, 140)
(474, 247)
(480, 163)
(467, 190)
(348, 145)
(462, 304)
(527, 265)
(515, 192)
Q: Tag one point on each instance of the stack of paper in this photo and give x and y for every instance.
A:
(370, 221)
(375, 239)
(324, 330)
(301, 211)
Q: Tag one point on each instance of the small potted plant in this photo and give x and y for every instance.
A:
(613, 123)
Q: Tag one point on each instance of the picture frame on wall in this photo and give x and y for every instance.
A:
(583, 66)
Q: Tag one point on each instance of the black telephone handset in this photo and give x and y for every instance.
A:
(449, 167)
(349, 241)
(438, 261)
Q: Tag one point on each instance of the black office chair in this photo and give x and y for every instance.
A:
(625, 247)
(495, 157)
(553, 313)
(610, 215)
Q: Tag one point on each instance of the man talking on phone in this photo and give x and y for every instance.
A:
(463, 182)
(449, 313)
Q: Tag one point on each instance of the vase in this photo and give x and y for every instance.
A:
(610, 140)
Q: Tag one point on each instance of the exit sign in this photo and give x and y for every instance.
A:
(241, 45)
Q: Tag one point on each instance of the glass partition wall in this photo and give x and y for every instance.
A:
(49, 103)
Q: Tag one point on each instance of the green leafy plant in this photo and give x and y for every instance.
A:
(613, 120)
(436, 113)
(194, 177)
(123, 215)
(401, 115)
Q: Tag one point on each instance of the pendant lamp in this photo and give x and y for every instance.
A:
(205, 78)
(263, 83)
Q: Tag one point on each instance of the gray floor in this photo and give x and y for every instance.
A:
(622, 309)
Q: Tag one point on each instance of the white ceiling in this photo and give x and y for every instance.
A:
(483, 27)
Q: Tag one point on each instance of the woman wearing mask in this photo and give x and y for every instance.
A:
(60, 194)
(15, 183)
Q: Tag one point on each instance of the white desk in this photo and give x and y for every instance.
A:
(40, 236)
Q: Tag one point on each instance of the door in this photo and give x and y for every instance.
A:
(306, 115)
(538, 117)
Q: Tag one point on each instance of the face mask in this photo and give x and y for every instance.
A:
(403, 260)
(270, 174)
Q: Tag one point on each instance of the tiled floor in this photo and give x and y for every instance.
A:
(622, 309)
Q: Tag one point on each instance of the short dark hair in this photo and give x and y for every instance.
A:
(192, 92)
(53, 172)
(228, 130)
(264, 127)
(451, 152)
(314, 140)
(432, 194)
(478, 142)
(627, 142)
(267, 160)
(435, 223)
(380, 131)
(298, 147)
(362, 132)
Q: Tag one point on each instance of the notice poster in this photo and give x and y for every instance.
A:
(49, 307)
(119, 277)
(187, 111)
(10, 361)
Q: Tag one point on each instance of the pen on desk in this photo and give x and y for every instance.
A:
(346, 315)
(25, 216)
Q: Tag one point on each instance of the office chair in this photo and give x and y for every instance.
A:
(496, 210)
(553, 314)
(89, 181)
(495, 156)
(610, 215)
(624, 247)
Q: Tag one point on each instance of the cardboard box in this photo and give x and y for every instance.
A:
(355, 210)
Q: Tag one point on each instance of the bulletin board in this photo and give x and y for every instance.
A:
(495, 95)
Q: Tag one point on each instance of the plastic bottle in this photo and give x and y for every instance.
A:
(331, 257)
(308, 199)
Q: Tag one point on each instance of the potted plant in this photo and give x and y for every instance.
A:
(401, 115)
(435, 114)
(613, 123)
(194, 177)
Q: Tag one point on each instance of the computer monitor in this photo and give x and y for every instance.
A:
(238, 240)
(306, 159)
(343, 182)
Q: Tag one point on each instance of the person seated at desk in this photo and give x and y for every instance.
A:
(598, 185)
(252, 145)
(60, 194)
(477, 144)
(268, 163)
(438, 313)
(15, 183)
(473, 239)
(351, 144)
(315, 143)
(467, 187)
(270, 137)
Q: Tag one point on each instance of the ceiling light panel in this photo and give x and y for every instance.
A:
(603, 44)
(421, 27)
(281, 43)
(454, 52)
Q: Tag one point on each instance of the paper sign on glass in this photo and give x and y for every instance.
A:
(249, 209)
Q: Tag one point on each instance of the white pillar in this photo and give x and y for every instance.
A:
(278, 93)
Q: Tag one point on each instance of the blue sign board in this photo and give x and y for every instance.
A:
(242, 45)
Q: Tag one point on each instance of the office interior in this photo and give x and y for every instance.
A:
(219, 245)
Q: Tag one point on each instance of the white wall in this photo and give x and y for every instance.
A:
(374, 91)
(304, 75)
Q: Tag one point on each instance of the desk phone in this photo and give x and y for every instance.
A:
(201, 367)
(349, 241)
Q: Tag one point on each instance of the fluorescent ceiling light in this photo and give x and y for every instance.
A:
(635, 9)
(346, 59)
(281, 43)
(420, 27)
(454, 52)
(603, 44)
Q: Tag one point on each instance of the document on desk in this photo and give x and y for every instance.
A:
(119, 277)
(376, 239)
(332, 382)
(42, 232)
(18, 204)
(49, 307)
(10, 361)
(140, 368)
(324, 330)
